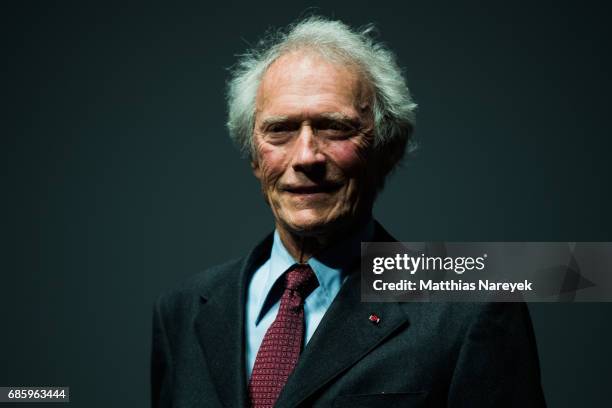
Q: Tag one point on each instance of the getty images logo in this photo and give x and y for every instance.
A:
(412, 264)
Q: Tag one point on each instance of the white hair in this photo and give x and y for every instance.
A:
(393, 107)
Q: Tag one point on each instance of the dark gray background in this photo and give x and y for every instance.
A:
(119, 179)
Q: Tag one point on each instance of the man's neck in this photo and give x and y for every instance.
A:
(302, 247)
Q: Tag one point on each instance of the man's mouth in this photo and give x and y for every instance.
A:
(312, 189)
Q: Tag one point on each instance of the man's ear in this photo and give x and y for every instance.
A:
(388, 157)
(255, 167)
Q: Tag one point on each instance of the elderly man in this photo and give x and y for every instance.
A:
(325, 115)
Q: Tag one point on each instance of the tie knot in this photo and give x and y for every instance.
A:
(302, 280)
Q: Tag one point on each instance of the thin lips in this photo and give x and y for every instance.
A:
(324, 188)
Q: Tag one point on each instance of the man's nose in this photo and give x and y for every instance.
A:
(307, 153)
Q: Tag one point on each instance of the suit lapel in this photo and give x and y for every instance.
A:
(219, 327)
(343, 337)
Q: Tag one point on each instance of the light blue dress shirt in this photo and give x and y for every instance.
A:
(330, 269)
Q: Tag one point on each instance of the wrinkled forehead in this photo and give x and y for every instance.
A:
(306, 72)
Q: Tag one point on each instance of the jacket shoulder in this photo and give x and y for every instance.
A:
(187, 292)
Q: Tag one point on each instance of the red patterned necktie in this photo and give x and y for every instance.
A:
(281, 346)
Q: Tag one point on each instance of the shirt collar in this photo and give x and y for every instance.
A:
(330, 267)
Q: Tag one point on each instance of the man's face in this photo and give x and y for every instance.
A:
(313, 144)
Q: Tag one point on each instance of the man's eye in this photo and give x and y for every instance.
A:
(336, 130)
(341, 127)
(282, 127)
(279, 133)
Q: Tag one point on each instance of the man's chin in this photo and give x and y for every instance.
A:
(313, 226)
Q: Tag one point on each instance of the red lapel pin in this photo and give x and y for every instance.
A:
(374, 318)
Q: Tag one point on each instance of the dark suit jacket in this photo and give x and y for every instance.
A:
(419, 355)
